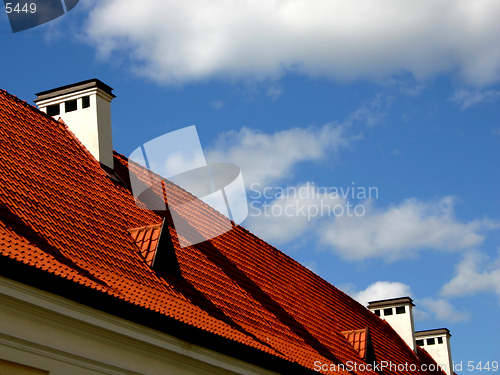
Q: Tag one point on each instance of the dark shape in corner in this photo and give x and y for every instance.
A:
(156, 247)
(26, 15)
(70, 4)
(165, 259)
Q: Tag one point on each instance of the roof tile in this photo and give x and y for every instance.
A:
(146, 239)
(358, 340)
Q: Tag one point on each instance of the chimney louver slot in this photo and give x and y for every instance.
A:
(437, 343)
(90, 122)
(53, 110)
(85, 102)
(70, 106)
(402, 321)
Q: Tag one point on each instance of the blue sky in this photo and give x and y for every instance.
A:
(398, 96)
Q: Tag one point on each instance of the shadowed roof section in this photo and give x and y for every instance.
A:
(63, 216)
(146, 238)
(427, 359)
(358, 340)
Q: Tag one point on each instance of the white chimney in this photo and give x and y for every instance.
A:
(437, 343)
(85, 108)
(398, 313)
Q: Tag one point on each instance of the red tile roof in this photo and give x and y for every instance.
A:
(358, 340)
(429, 362)
(62, 214)
(146, 238)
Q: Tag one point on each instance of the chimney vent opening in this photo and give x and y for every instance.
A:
(88, 119)
(437, 345)
(86, 102)
(53, 110)
(400, 310)
(401, 320)
(70, 106)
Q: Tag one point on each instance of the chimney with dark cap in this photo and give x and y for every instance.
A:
(437, 344)
(86, 108)
(399, 314)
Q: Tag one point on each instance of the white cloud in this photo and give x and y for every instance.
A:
(437, 309)
(399, 231)
(312, 267)
(274, 92)
(174, 42)
(270, 158)
(217, 104)
(286, 214)
(179, 162)
(404, 86)
(290, 213)
(267, 158)
(466, 98)
(371, 114)
(443, 310)
(475, 273)
(379, 291)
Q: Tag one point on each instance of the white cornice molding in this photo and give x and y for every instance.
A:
(61, 356)
(66, 315)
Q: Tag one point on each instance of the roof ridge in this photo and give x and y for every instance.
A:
(59, 123)
(254, 236)
(174, 184)
(75, 138)
(236, 225)
(143, 227)
(28, 105)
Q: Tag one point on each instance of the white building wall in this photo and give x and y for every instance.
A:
(41, 332)
(401, 322)
(441, 353)
(104, 129)
(91, 125)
